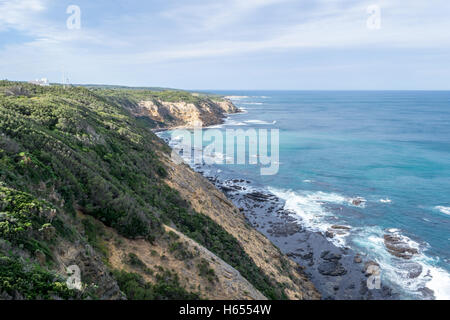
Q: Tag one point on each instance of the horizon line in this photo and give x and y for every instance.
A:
(227, 89)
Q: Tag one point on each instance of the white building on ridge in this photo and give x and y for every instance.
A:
(41, 82)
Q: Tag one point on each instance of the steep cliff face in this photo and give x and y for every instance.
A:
(279, 271)
(198, 269)
(184, 114)
(84, 183)
(205, 198)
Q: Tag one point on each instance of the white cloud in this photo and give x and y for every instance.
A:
(207, 17)
(20, 14)
(217, 29)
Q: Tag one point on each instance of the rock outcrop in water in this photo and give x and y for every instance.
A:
(398, 247)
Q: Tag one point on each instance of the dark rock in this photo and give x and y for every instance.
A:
(329, 234)
(338, 227)
(307, 256)
(397, 247)
(414, 269)
(357, 259)
(363, 288)
(332, 268)
(329, 256)
(427, 293)
(386, 291)
(226, 189)
(284, 229)
(258, 196)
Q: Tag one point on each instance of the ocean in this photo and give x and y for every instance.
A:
(390, 150)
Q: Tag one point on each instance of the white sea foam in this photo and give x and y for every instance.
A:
(387, 200)
(258, 122)
(217, 126)
(308, 207)
(230, 122)
(252, 103)
(236, 97)
(439, 283)
(443, 209)
(397, 271)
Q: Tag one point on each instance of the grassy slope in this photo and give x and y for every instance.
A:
(78, 149)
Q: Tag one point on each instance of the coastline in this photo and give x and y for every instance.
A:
(404, 273)
(336, 272)
(219, 121)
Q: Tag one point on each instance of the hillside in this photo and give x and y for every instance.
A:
(85, 182)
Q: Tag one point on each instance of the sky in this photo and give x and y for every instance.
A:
(230, 44)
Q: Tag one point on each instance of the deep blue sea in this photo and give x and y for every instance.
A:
(390, 149)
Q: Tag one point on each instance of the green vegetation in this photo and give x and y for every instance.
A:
(127, 96)
(206, 271)
(20, 214)
(63, 150)
(87, 150)
(27, 281)
(94, 234)
(213, 237)
(180, 251)
(167, 287)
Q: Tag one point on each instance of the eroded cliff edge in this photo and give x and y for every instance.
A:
(84, 183)
(208, 200)
(170, 109)
(185, 114)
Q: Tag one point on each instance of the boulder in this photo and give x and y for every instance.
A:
(329, 234)
(332, 268)
(357, 259)
(329, 256)
(338, 227)
(396, 246)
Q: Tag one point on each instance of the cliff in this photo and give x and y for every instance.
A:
(282, 272)
(85, 183)
(184, 114)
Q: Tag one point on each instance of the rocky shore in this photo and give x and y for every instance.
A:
(338, 273)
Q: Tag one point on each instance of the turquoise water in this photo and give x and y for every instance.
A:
(390, 149)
